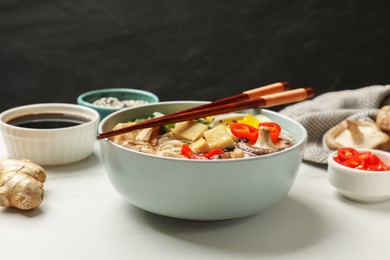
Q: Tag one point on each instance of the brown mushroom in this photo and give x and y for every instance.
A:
(264, 144)
(383, 119)
(357, 134)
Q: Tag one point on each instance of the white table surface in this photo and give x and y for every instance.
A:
(83, 217)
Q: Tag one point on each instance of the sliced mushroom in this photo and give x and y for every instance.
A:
(253, 150)
(263, 145)
(383, 119)
(357, 134)
(264, 139)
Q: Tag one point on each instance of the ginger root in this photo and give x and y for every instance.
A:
(21, 184)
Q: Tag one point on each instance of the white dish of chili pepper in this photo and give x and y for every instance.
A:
(360, 185)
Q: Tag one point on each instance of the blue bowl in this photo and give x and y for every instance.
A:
(87, 99)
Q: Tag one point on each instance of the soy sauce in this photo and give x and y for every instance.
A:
(47, 120)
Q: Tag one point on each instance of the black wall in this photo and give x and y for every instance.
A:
(52, 50)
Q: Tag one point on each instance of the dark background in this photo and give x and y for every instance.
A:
(52, 50)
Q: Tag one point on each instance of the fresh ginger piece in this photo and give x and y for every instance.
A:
(21, 184)
(188, 130)
(25, 167)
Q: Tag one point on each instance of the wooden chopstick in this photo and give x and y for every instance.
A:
(246, 95)
(260, 102)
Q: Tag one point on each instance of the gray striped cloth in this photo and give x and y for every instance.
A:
(323, 112)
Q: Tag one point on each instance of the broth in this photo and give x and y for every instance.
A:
(225, 136)
(47, 120)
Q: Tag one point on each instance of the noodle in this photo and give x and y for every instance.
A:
(170, 148)
(200, 137)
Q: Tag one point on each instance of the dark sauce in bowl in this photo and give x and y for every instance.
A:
(47, 120)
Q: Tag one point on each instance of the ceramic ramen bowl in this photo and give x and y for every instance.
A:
(49, 133)
(87, 99)
(361, 185)
(200, 190)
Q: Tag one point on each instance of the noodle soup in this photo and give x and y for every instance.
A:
(226, 136)
(196, 189)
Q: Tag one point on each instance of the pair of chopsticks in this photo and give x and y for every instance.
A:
(262, 97)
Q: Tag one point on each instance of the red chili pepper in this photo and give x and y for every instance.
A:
(350, 157)
(376, 164)
(355, 163)
(346, 153)
(274, 129)
(240, 130)
(214, 152)
(365, 156)
(336, 158)
(187, 152)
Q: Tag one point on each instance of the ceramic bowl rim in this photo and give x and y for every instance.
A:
(296, 145)
(92, 114)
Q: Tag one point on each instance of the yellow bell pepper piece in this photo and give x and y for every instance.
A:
(250, 120)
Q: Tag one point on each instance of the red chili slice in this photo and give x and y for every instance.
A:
(355, 163)
(376, 164)
(350, 157)
(365, 156)
(274, 129)
(240, 130)
(346, 153)
(187, 152)
(214, 152)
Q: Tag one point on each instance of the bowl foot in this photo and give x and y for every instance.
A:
(363, 199)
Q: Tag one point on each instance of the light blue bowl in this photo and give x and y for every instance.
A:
(200, 190)
(86, 99)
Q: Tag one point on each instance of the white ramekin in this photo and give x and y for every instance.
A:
(361, 185)
(50, 146)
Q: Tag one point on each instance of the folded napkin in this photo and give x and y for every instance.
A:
(327, 110)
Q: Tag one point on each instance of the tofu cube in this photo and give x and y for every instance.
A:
(189, 130)
(218, 137)
(200, 146)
